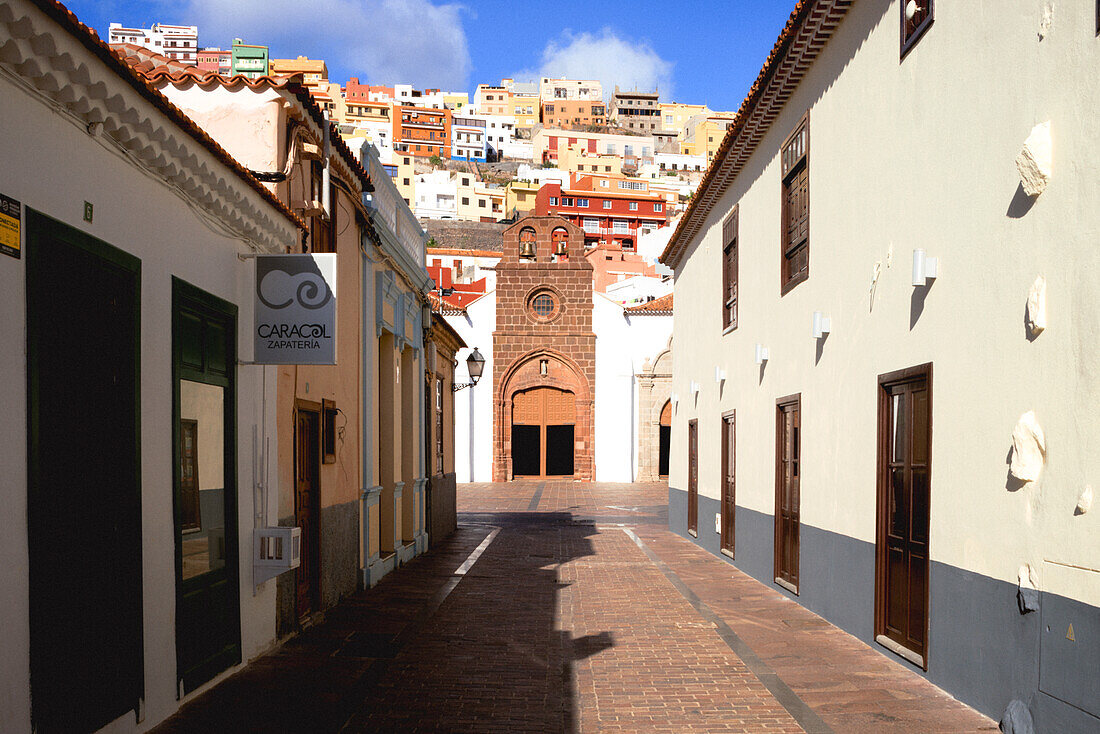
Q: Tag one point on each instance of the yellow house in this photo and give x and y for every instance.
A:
(675, 116)
(519, 197)
(404, 177)
(525, 108)
(314, 71)
(456, 100)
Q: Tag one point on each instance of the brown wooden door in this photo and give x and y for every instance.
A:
(729, 483)
(787, 480)
(905, 439)
(543, 421)
(693, 477)
(307, 508)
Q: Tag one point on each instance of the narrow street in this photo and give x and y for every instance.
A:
(560, 606)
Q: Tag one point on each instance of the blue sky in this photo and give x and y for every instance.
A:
(696, 52)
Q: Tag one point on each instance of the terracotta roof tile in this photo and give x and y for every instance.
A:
(660, 305)
(159, 69)
(795, 21)
(91, 40)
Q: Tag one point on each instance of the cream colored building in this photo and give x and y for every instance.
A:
(675, 115)
(577, 159)
(519, 198)
(887, 336)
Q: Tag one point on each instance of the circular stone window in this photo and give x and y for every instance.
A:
(543, 306)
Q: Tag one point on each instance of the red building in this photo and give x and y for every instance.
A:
(454, 293)
(422, 131)
(611, 211)
(360, 92)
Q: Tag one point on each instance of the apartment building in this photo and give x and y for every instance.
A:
(491, 99)
(703, 135)
(354, 90)
(609, 210)
(636, 110)
(551, 90)
(314, 71)
(249, 60)
(578, 159)
(675, 115)
(634, 149)
(570, 114)
(177, 42)
(468, 141)
(524, 103)
(217, 60)
(422, 131)
(886, 336)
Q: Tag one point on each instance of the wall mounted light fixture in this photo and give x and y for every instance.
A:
(924, 268)
(694, 387)
(719, 375)
(820, 325)
(761, 354)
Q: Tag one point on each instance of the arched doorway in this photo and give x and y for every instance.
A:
(664, 440)
(543, 425)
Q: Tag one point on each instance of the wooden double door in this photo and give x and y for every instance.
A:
(543, 429)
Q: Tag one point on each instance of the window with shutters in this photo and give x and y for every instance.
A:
(916, 16)
(795, 254)
(729, 271)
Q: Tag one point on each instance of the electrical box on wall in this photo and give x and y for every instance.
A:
(718, 522)
(275, 550)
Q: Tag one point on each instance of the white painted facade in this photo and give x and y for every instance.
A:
(206, 216)
(436, 195)
(177, 42)
(893, 167)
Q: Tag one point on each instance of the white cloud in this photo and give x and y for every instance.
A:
(607, 57)
(381, 41)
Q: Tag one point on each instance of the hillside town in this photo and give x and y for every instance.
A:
(341, 403)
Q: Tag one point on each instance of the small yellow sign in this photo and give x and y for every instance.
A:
(1069, 634)
(11, 217)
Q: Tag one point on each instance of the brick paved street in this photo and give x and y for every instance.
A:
(560, 606)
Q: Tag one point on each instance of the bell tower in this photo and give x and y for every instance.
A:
(544, 354)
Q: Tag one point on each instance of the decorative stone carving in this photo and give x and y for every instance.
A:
(1028, 449)
(1035, 160)
(1037, 307)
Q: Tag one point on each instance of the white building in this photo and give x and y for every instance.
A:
(678, 162)
(551, 89)
(500, 133)
(436, 195)
(127, 584)
(178, 42)
(905, 318)
(468, 138)
(540, 176)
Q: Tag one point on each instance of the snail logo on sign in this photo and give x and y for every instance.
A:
(295, 309)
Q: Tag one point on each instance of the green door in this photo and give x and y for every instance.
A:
(204, 361)
(83, 479)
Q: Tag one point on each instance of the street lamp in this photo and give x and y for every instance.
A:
(475, 363)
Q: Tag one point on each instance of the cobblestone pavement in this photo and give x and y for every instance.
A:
(562, 607)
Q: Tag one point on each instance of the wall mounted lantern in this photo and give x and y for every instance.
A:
(694, 387)
(475, 363)
(924, 268)
(820, 325)
(719, 375)
(761, 354)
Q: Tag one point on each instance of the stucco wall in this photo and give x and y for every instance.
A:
(920, 153)
(52, 165)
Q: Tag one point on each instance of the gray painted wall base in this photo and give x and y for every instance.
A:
(406, 552)
(339, 552)
(377, 568)
(981, 649)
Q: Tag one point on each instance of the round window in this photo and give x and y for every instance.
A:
(543, 306)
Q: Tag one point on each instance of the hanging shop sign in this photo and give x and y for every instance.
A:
(11, 215)
(295, 309)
